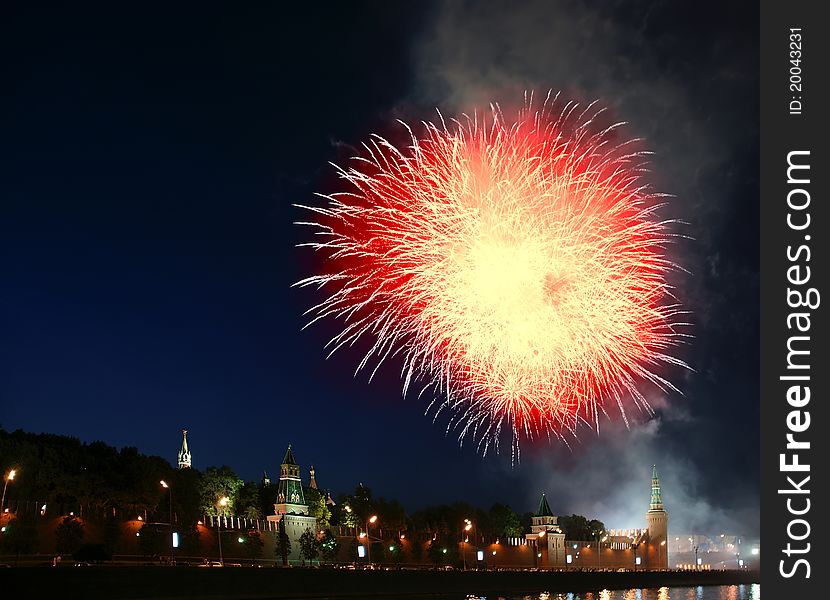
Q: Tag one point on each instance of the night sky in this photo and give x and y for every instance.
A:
(149, 161)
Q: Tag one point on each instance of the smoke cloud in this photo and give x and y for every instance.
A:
(688, 88)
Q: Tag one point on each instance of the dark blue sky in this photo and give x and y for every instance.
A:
(148, 163)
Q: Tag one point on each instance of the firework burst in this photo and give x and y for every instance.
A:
(517, 267)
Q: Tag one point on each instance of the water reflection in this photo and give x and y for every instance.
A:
(725, 592)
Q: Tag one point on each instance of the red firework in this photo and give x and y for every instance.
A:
(518, 268)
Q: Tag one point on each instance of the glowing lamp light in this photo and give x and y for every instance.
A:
(480, 555)
(444, 551)
(241, 540)
(391, 548)
(638, 561)
(164, 484)
(373, 519)
(361, 551)
(175, 539)
(569, 559)
(403, 536)
(542, 533)
(539, 555)
(139, 517)
(12, 473)
(755, 551)
(362, 534)
(137, 534)
(3, 529)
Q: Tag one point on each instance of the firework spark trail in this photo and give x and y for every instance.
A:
(518, 267)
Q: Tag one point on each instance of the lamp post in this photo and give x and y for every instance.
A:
(468, 525)
(170, 495)
(373, 519)
(696, 563)
(223, 502)
(9, 477)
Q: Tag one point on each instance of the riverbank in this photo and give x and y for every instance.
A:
(116, 583)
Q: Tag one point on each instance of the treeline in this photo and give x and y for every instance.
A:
(99, 482)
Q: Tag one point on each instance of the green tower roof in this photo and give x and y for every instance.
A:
(544, 508)
(656, 495)
(288, 459)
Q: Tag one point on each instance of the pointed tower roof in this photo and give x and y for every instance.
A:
(290, 498)
(656, 496)
(184, 454)
(288, 459)
(544, 508)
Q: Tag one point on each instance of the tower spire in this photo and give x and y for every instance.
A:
(184, 453)
(290, 498)
(313, 481)
(656, 496)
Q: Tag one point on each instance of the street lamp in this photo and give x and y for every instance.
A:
(696, 559)
(373, 519)
(468, 525)
(9, 477)
(223, 502)
(170, 494)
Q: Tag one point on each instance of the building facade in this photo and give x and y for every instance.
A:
(645, 548)
(290, 510)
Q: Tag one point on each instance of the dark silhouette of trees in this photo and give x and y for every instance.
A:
(69, 535)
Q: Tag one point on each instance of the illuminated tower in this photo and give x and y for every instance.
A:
(184, 453)
(312, 482)
(547, 536)
(290, 498)
(290, 509)
(657, 521)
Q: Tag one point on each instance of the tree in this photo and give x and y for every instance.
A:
(505, 522)
(437, 552)
(317, 507)
(153, 540)
(378, 552)
(329, 546)
(578, 527)
(252, 544)
(416, 549)
(112, 535)
(248, 503)
(69, 535)
(395, 552)
(267, 497)
(282, 544)
(218, 483)
(21, 535)
(309, 545)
